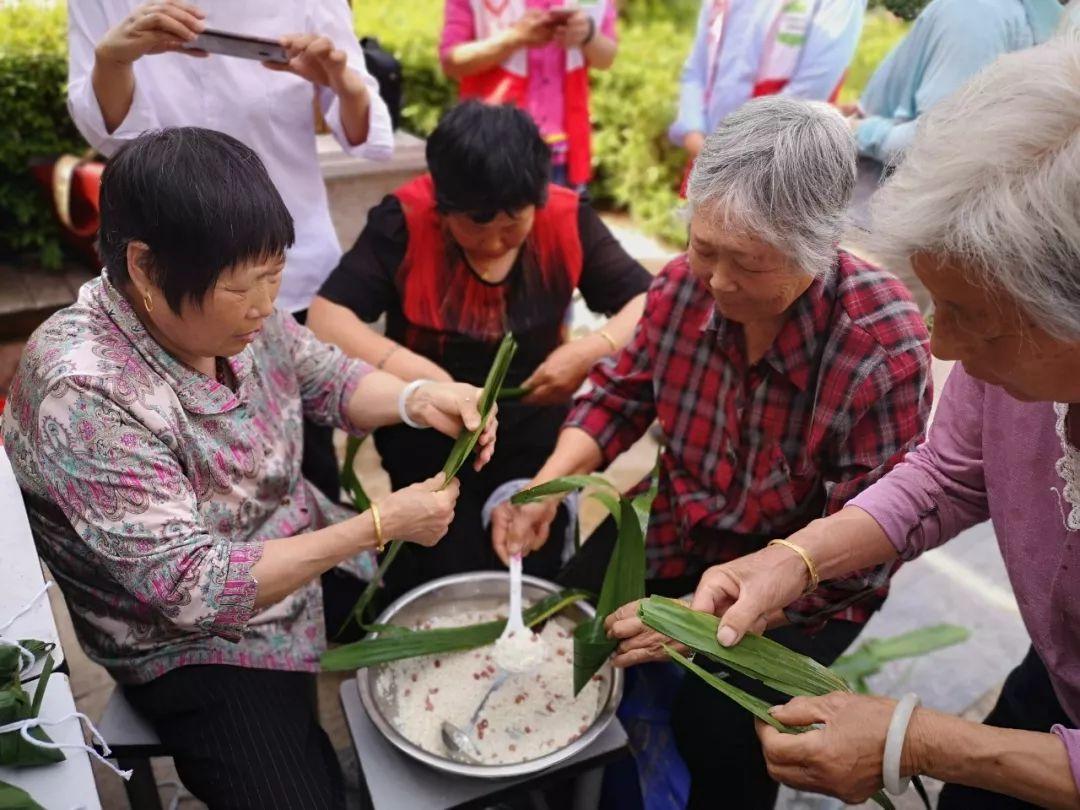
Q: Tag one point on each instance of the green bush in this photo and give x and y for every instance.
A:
(33, 123)
(633, 103)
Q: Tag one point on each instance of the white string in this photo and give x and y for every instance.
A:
(24, 726)
(27, 656)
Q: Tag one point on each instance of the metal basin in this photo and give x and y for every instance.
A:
(481, 589)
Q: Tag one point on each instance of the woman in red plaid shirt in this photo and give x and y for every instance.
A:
(786, 376)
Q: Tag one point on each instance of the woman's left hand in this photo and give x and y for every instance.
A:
(315, 58)
(573, 32)
(559, 377)
(843, 758)
(638, 643)
(450, 407)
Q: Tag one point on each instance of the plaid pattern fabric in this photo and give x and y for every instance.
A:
(757, 452)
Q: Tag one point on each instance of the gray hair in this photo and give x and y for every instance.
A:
(992, 180)
(783, 170)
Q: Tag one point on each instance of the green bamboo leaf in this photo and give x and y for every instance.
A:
(560, 486)
(755, 656)
(372, 588)
(756, 706)
(610, 502)
(15, 798)
(15, 705)
(458, 454)
(869, 658)
(350, 482)
(624, 581)
(406, 643)
(508, 394)
(492, 386)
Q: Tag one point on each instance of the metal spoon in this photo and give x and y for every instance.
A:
(459, 744)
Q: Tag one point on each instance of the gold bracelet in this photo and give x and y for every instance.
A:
(611, 341)
(815, 579)
(379, 539)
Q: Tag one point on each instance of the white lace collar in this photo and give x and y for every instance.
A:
(1068, 467)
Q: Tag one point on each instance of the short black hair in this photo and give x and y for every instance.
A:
(202, 202)
(485, 159)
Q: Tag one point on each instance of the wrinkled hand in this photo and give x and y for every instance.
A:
(535, 28)
(521, 529)
(843, 758)
(314, 58)
(746, 593)
(451, 407)
(561, 374)
(638, 643)
(421, 513)
(152, 28)
(572, 33)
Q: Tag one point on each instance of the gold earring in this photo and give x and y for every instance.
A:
(148, 302)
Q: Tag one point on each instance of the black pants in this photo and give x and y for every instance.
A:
(715, 736)
(1027, 703)
(244, 738)
(526, 438)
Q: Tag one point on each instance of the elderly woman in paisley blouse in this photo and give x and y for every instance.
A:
(155, 427)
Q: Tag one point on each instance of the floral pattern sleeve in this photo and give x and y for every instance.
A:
(327, 377)
(128, 498)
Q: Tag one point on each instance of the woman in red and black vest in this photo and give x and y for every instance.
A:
(455, 259)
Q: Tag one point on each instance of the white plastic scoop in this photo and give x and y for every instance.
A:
(518, 649)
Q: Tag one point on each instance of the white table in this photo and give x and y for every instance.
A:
(67, 785)
(395, 781)
(20, 573)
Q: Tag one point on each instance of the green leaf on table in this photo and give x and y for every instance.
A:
(15, 705)
(459, 453)
(15, 798)
(406, 643)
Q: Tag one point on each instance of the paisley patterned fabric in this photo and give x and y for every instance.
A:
(152, 489)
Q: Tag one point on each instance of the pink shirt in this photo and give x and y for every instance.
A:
(989, 456)
(544, 99)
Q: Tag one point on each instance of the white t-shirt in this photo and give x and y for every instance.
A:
(271, 112)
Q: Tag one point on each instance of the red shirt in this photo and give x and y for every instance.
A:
(754, 452)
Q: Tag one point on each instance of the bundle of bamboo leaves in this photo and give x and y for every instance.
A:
(15, 705)
(762, 659)
(459, 453)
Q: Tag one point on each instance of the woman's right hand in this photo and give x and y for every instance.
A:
(535, 28)
(421, 513)
(521, 529)
(152, 28)
(745, 593)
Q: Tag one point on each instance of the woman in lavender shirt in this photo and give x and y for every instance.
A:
(991, 225)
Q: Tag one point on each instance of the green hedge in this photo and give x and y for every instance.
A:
(33, 123)
(633, 103)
